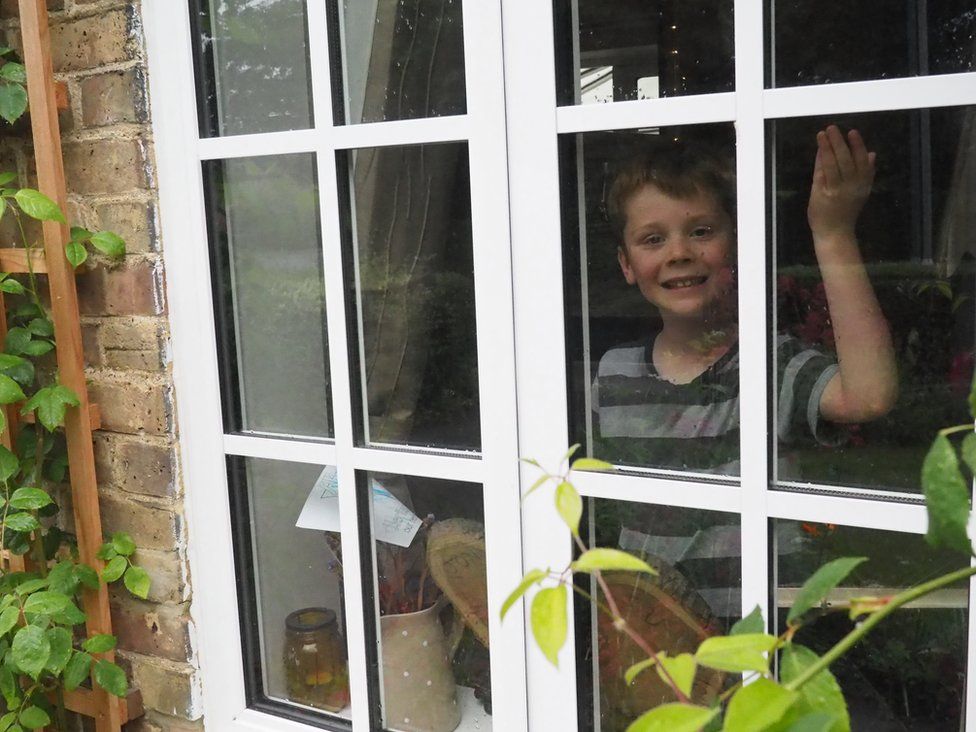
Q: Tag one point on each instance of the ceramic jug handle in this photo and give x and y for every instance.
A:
(453, 630)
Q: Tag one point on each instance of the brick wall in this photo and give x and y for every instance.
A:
(98, 51)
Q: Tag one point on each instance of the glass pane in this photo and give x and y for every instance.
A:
(415, 292)
(909, 672)
(631, 49)
(698, 594)
(403, 59)
(817, 43)
(872, 359)
(432, 594)
(649, 257)
(269, 294)
(252, 66)
(294, 614)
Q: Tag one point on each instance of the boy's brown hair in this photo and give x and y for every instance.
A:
(678, 169)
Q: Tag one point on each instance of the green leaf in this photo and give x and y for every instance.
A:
(30, 650)
(38, 206)
(540, 481)
(736, 653)
(111, 678)
(751, 623)
(9, 464)
(969, 451)
(51, 403)
(108, 243)
(41, 327)
(30, 499)
(12, 287)
(22, 372)
(106, 551)
(80, 233)
(532, 577)
(123, 544)
(570, 452)
(17, 338)
(816, 722)
(946, 497)
(10, 390)
(757, 706)
(569, 505)
(821, 694)
(62, 578)
(22, 522)
(34, 718)
(9, 687)
(13, 71)
(136, 580)
(820, 583)
(38, 348)
(3, 206)
(681, 669)
(607, 559)
(114, 569)
(32, 585)
(9, 619)
(972, 397)
(71, 616)
(87, 576)
(13, 101)
(77, 670)
(60, 640)
(47, 602)
(7, 719)
(7, 178)
(674, 718)
(75, 253)
(586, 463)
(101, 643)
(548, 620)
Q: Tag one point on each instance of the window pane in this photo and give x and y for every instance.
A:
(909, 672)
(295, 649)
(697, 594)
(817, 43)
(269, 294)
(850, 409)
(415, 293)
(403, 59)
(649, 256)
(252, 66)
(432, 594)
(629, 49)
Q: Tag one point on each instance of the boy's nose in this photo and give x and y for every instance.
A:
(679, 249)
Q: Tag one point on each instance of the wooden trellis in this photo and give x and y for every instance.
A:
(109, 712)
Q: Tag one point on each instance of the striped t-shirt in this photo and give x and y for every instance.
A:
(643, 419)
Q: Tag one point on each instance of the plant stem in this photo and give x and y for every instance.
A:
(865, 627)
(39, 556)
(946, 431)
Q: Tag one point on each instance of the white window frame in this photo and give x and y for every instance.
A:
(511, 128)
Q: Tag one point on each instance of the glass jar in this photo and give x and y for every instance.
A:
(315, 660)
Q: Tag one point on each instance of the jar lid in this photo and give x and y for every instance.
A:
(309, 619)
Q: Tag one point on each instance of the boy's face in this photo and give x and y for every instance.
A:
(679, 252)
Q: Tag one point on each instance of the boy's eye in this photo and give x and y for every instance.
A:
(702, 231)
(653, 239)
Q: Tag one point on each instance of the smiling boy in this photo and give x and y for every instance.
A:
(672, 400)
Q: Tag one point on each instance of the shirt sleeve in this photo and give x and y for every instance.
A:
(803, 372)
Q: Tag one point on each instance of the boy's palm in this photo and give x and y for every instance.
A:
(842, 178)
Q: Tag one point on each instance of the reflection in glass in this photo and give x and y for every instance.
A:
(403, 59)
(650, 296)
(415, 289)
(631, 49)
(297, 605)
(909, 672)
(432, 592)
(817, 43)
(252, 66)
(269, 294)
(916, 235)
(697, 595)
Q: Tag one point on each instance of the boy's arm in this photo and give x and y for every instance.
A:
(866, 384)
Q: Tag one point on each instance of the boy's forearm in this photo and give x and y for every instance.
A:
(868, 380)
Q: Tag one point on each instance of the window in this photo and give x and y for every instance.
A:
(400, 259)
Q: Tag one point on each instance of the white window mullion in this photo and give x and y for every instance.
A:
(540, 344)
(335, 305)
(492, 256)
(753, 333)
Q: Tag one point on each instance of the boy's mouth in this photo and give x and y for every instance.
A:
(679, 283)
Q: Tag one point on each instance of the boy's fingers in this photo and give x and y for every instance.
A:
(845, 162)
(859, 151)
(828, 161)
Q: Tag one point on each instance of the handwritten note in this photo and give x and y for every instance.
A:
(393, 522)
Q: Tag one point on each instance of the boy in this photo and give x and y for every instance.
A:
(672, 400)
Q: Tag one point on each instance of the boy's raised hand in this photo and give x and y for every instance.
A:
(842, 178)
